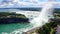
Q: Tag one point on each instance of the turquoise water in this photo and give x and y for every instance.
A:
(8, 28)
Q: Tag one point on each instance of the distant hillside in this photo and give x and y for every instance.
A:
(23, 9)
(19, 9)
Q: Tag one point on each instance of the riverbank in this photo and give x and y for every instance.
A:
(32, 31)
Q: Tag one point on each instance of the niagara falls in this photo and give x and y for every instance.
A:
(29, 17)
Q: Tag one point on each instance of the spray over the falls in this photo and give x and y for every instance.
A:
(44, 16)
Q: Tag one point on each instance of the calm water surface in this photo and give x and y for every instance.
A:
(11, 27)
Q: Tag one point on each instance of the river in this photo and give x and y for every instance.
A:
(9, 28)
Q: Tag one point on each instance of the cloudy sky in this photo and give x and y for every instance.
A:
(25, 3)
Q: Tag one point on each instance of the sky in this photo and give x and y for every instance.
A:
(25, 3)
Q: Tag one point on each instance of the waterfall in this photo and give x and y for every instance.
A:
(45, 14)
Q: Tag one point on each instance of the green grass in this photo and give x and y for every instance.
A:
(12, 15)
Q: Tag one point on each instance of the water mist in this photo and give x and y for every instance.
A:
(44, 16)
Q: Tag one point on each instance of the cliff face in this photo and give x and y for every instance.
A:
(13, 20)
(7, 18)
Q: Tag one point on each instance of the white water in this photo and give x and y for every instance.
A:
(44, 16)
